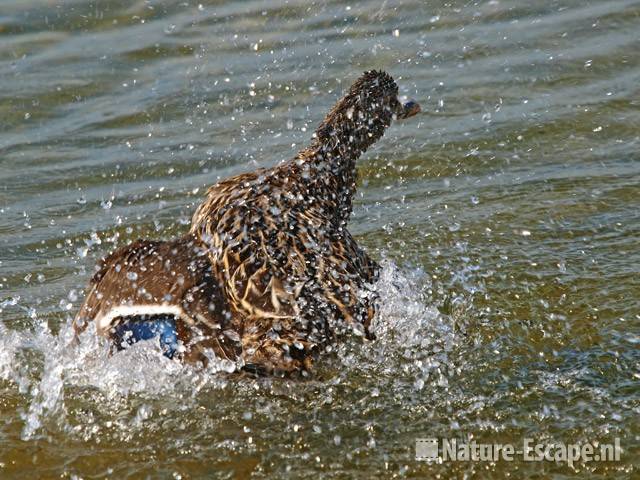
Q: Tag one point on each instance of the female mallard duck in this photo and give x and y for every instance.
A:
(268, 274)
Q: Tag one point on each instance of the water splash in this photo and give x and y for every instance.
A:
(413, 343)
(414, 338)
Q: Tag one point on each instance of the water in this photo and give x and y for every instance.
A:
(506, 216)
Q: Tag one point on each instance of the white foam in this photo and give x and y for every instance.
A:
(412, 345)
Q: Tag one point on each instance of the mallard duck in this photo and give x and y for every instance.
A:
(268, 275)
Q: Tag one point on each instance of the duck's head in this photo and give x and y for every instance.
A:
(368, 108)
(375, 97)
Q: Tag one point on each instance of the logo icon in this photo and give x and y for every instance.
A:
(426, 449)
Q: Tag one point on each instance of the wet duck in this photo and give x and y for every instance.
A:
(268, 274)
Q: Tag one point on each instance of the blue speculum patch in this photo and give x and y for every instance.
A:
(134, 329)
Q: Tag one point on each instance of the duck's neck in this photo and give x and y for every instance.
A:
(330, 159)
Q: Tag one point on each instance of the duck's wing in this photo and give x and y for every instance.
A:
(347, 277)
(288, 279)
(359, 259)
(255, 261)
(162, 281)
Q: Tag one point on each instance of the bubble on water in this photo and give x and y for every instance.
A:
(633, 339)
(10, 302)
(144, 413)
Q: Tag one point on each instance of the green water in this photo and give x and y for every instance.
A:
(507, 217)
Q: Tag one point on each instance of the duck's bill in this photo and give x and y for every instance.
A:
(409, 109)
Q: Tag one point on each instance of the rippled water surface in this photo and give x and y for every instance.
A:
(506, 217)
